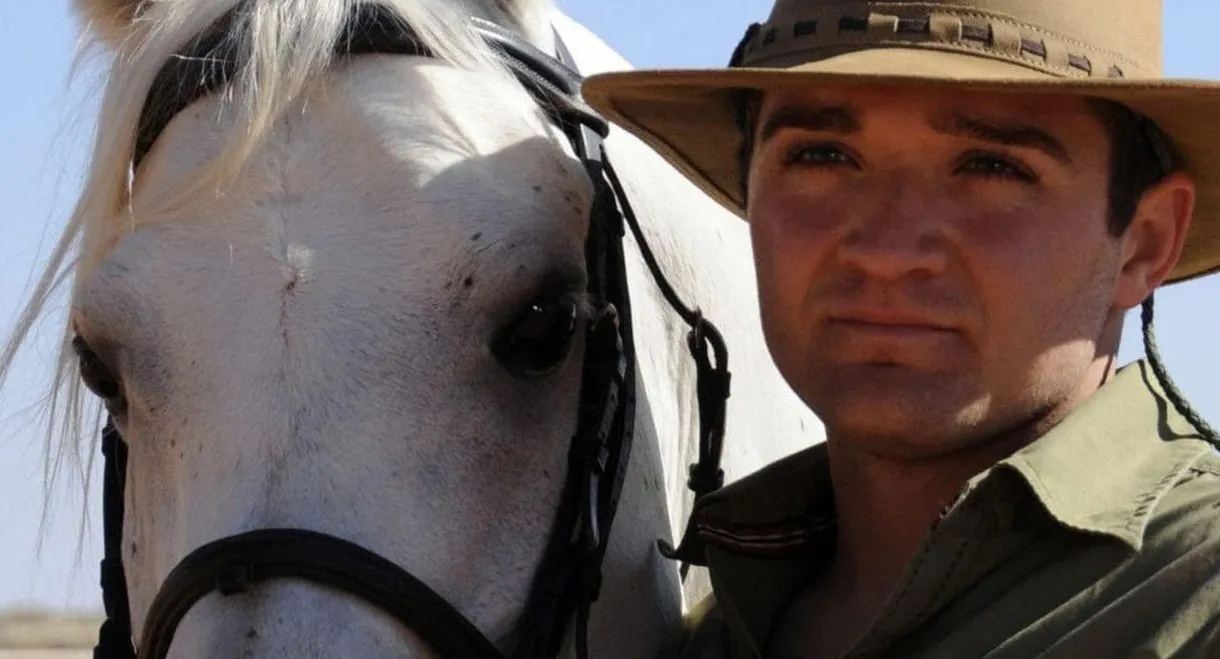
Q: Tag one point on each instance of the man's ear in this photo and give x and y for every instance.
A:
(1153, 242)
(111, 20)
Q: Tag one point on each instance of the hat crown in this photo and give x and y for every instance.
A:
(1099, 37)
(1108, 49)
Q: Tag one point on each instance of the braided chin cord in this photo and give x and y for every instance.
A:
(1171, 390)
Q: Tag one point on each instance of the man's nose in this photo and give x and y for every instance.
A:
(897, 233)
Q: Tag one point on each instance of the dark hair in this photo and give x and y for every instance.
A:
(745, 116)
(1140, 156)
(1136, 158)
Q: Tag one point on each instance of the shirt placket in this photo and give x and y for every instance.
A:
(943, 564)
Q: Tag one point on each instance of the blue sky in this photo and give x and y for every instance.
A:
(46, 125)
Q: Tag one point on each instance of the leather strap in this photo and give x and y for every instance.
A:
(114, 638)
(235, 564)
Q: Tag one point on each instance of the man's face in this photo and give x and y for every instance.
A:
(934, 265)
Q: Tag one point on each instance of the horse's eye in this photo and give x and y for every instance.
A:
(96, 375)
(536, 343)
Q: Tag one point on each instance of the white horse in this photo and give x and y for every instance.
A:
(295, 297)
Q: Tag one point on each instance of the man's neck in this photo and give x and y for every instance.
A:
(885, 509)
(886, 506)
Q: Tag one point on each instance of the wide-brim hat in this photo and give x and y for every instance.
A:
(1110, 50)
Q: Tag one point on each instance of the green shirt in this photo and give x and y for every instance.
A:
(1099, 540)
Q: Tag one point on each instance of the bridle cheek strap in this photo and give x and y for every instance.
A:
(114, 638)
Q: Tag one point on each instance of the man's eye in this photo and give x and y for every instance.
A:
(998, 167)
(816, 154)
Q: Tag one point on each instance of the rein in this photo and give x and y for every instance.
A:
(569, 577)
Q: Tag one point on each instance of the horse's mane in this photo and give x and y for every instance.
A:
(288, 43)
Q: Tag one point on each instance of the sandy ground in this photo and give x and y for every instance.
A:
(46, 654)
(47, 635)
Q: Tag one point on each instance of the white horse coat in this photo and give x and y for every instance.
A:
(296, 293)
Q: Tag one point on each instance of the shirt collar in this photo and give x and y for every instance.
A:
(1101, 470)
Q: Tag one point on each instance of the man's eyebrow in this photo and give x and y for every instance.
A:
(832, 119)
(843, 120)
(1007, 134)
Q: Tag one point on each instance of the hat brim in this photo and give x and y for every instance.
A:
(689, 116)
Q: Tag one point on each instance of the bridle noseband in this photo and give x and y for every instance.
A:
(569, 576)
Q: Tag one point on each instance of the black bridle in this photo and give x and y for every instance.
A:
(569, 576)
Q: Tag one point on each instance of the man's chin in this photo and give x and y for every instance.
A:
(898, 412)
(895, 441)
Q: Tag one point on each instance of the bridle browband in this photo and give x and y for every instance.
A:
(569, 576)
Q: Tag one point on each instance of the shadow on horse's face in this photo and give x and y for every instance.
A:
(375, 334)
